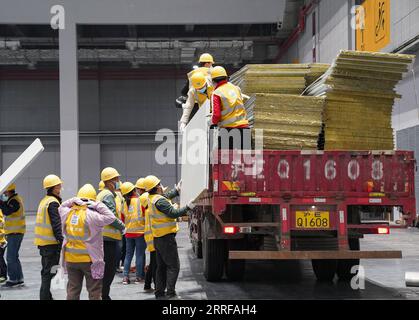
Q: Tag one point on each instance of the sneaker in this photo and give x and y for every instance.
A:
(139, 280)
(126, 280)
(10, 284)
(148, 290)
(120, 269)
(3, 279)
(174, 297)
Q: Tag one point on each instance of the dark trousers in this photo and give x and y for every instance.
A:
(234, 138)
(151, 272)
(14, 267)
(110, 255)
(76, 273)
(121, 261)
(3, 265)
(50, 257)
(168, 264)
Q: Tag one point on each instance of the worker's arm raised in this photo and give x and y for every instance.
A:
(188, 106)
(171, 194)
(164, 206)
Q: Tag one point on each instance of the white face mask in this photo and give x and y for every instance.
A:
(4, 198)
(203, 89)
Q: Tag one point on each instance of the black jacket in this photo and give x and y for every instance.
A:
(9, 207)
(55, 218)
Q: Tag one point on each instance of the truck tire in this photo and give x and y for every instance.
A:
(213, 254)
(344, 267)
(235, 268)
(197, 248)
(324, 269)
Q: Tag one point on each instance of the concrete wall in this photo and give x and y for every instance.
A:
(105, 106)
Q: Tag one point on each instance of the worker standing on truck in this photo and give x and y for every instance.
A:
(163, 215)
(3, 245)
(227, 104)
(48, 233)
(11, 204)
(199, 92)
(111, 235)
(150, 272)
(83, 220)
(205, 63)
(134, 221)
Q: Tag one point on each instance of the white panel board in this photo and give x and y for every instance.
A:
(20, 164)
(195, 156)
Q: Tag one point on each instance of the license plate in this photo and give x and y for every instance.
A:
(312, 219)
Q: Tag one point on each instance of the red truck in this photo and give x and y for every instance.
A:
(312, 205)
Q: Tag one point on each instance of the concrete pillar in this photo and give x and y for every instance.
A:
(69, 124)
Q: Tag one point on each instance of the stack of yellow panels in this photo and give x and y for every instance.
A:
(360, 91)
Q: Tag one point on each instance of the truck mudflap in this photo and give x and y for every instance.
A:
(310, 255)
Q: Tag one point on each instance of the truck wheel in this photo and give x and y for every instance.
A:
(197, 248)
(344, 266)
(235, 268)
(324, 269)
(213, 254)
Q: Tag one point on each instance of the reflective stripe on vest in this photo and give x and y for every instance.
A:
(2, 232)
(15, 223)
(148, 235)
(44, 234)
(76, 233)
(109, 231)
(134, 220)
(233, 113)
(161, 224)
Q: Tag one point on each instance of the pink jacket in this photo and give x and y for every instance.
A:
(96, 218)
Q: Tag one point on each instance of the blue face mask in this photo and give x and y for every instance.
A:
(4, 198)
(117, 185)
(203, 89)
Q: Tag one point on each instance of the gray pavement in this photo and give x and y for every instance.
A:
(263, 279)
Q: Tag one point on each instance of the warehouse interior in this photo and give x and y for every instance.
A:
(131, 65)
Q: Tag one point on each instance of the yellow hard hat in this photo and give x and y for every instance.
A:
(51, 181)
(11, 187)
(87, 192)
(101, 185)
(218, 72)
(150, 182)
(198, 80)
(206, 57)
(126, 188)
(108, 174)
(140, 183)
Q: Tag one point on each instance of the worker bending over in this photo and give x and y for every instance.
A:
(134, 222)
(83, 220)
(11, 204)
(199, 93)
(150, 275)
(163, 215)
(111, 234)
(48, 233)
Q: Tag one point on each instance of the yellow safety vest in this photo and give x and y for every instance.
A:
(15, 223)
(134, 219)
(161, 224)
(76, 232)
(109, 231)
(44, 234)
(233, 113)
(2, 232)
(148, 235)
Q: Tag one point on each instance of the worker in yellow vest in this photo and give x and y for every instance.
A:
(199, 93)
(205, 63)
(134, 222)
(13, 209)
(111, 235)
(150, 269)
(163, 215)
(3, 245)
(48, 232)
(83, 220)
(228, 110)
(121, 246)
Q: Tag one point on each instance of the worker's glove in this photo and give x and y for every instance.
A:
(179, 101)
(178, 185)
(182, 127)
(123, 232)
(146, 268)
(191, 205)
